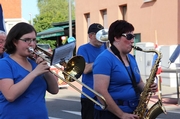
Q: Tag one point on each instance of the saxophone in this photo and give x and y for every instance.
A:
(142, 110)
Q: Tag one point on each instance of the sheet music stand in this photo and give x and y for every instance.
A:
(62, 53)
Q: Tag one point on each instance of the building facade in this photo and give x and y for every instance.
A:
(12, 10)
(156, 21)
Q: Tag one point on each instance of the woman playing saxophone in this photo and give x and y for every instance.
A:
(116, 75)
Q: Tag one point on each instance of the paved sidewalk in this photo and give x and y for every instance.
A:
(169, 99)
(169, 95)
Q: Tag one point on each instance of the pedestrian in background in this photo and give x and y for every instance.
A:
(2, 42)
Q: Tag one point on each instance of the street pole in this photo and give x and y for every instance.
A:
(31, 22)
(70, 20)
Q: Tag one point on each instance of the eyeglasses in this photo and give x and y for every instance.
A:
(128, 36)
(28, 40)
(2, 41)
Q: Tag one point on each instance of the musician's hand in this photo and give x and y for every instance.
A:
(153, 88)
(39, 60)
(41, 68)
(129, 116)
(62, 68)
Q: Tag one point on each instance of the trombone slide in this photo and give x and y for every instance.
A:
(69, 76)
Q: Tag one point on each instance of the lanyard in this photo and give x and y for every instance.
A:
(131, 73)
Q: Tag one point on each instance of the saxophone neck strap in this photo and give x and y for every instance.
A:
(130, 73)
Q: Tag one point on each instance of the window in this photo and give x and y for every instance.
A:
(87, 18)
(104, 18)
(136, 40)
(123, 10)
(10, 25)
(148, 0)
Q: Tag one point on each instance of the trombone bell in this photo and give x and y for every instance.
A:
(74, 67)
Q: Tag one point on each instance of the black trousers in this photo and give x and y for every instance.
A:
(100, 114)
(87, 108)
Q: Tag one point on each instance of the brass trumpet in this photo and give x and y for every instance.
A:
(73, 69)
(102, 35)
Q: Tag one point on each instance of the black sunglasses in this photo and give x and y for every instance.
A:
(128, 36)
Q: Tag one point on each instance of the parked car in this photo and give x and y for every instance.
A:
(45, 47)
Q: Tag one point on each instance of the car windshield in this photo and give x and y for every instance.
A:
(44, 46)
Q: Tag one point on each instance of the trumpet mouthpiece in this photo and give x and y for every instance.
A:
(31, 49)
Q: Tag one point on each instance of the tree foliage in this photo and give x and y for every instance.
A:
(52, 43)
(52, 11)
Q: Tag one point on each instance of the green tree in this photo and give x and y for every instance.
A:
(52, 43)
(52, 11)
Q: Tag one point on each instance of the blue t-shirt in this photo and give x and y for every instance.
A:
(89, 53)
(31, 104)
(120, 85)
(3, 55)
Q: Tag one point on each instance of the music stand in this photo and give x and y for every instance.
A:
(62, 53)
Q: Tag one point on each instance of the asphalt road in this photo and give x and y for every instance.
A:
(66, 105)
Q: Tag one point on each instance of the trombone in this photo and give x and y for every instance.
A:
(72, 71)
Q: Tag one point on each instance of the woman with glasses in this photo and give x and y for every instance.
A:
(23, 81)
(116, 75)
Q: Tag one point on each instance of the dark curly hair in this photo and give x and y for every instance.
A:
(15, 34)
(117, 28)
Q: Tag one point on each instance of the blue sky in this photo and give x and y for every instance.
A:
(29, 7)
